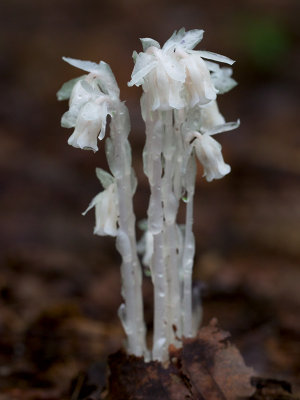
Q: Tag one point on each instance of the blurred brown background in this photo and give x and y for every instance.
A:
(59, 284)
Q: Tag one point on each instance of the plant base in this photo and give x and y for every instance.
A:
(206, 367)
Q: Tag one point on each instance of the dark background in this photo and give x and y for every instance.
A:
(59, 284)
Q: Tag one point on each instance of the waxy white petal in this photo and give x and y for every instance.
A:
(148, 42)
(90, 124)
(87, 66)
(215, 57)
(209, 153)
(173, 68)
(228, 126)
(210, 116)
(185, 40)
(143, 65)
(222, 80)
(65, 91)
(198, 85)
(102, 71)
(106, 211)
(104, 177)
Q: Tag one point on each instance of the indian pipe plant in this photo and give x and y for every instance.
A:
(179, 107)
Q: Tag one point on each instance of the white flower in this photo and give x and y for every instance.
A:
(210, 116)
(101, 73)
(161, 76)
(221, 78)
(175, 76)
(88, 111)
(90, 125)
(199, 88)
(208, 151)
(106, 209)
(91, 99)
(78, 97)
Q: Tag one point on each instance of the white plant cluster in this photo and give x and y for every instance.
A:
(179, 107)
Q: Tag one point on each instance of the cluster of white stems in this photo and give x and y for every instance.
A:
(179, 107)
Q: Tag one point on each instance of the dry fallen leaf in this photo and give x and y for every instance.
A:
(208, 367)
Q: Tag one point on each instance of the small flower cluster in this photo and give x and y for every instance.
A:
(91, 100)
(92, 97)
(178, 77)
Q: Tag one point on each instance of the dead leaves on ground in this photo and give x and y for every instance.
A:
(208, 367)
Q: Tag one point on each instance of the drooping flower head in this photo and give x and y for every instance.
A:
(106, 206)
(208, 151)
(175, 76)
(161, 75)
(91, 98)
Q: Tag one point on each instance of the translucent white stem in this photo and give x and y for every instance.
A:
(153, 152)
(170, 208)
(160, 343)
(172, 260)
(179, 116)
(131, 312)
(188, 251)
